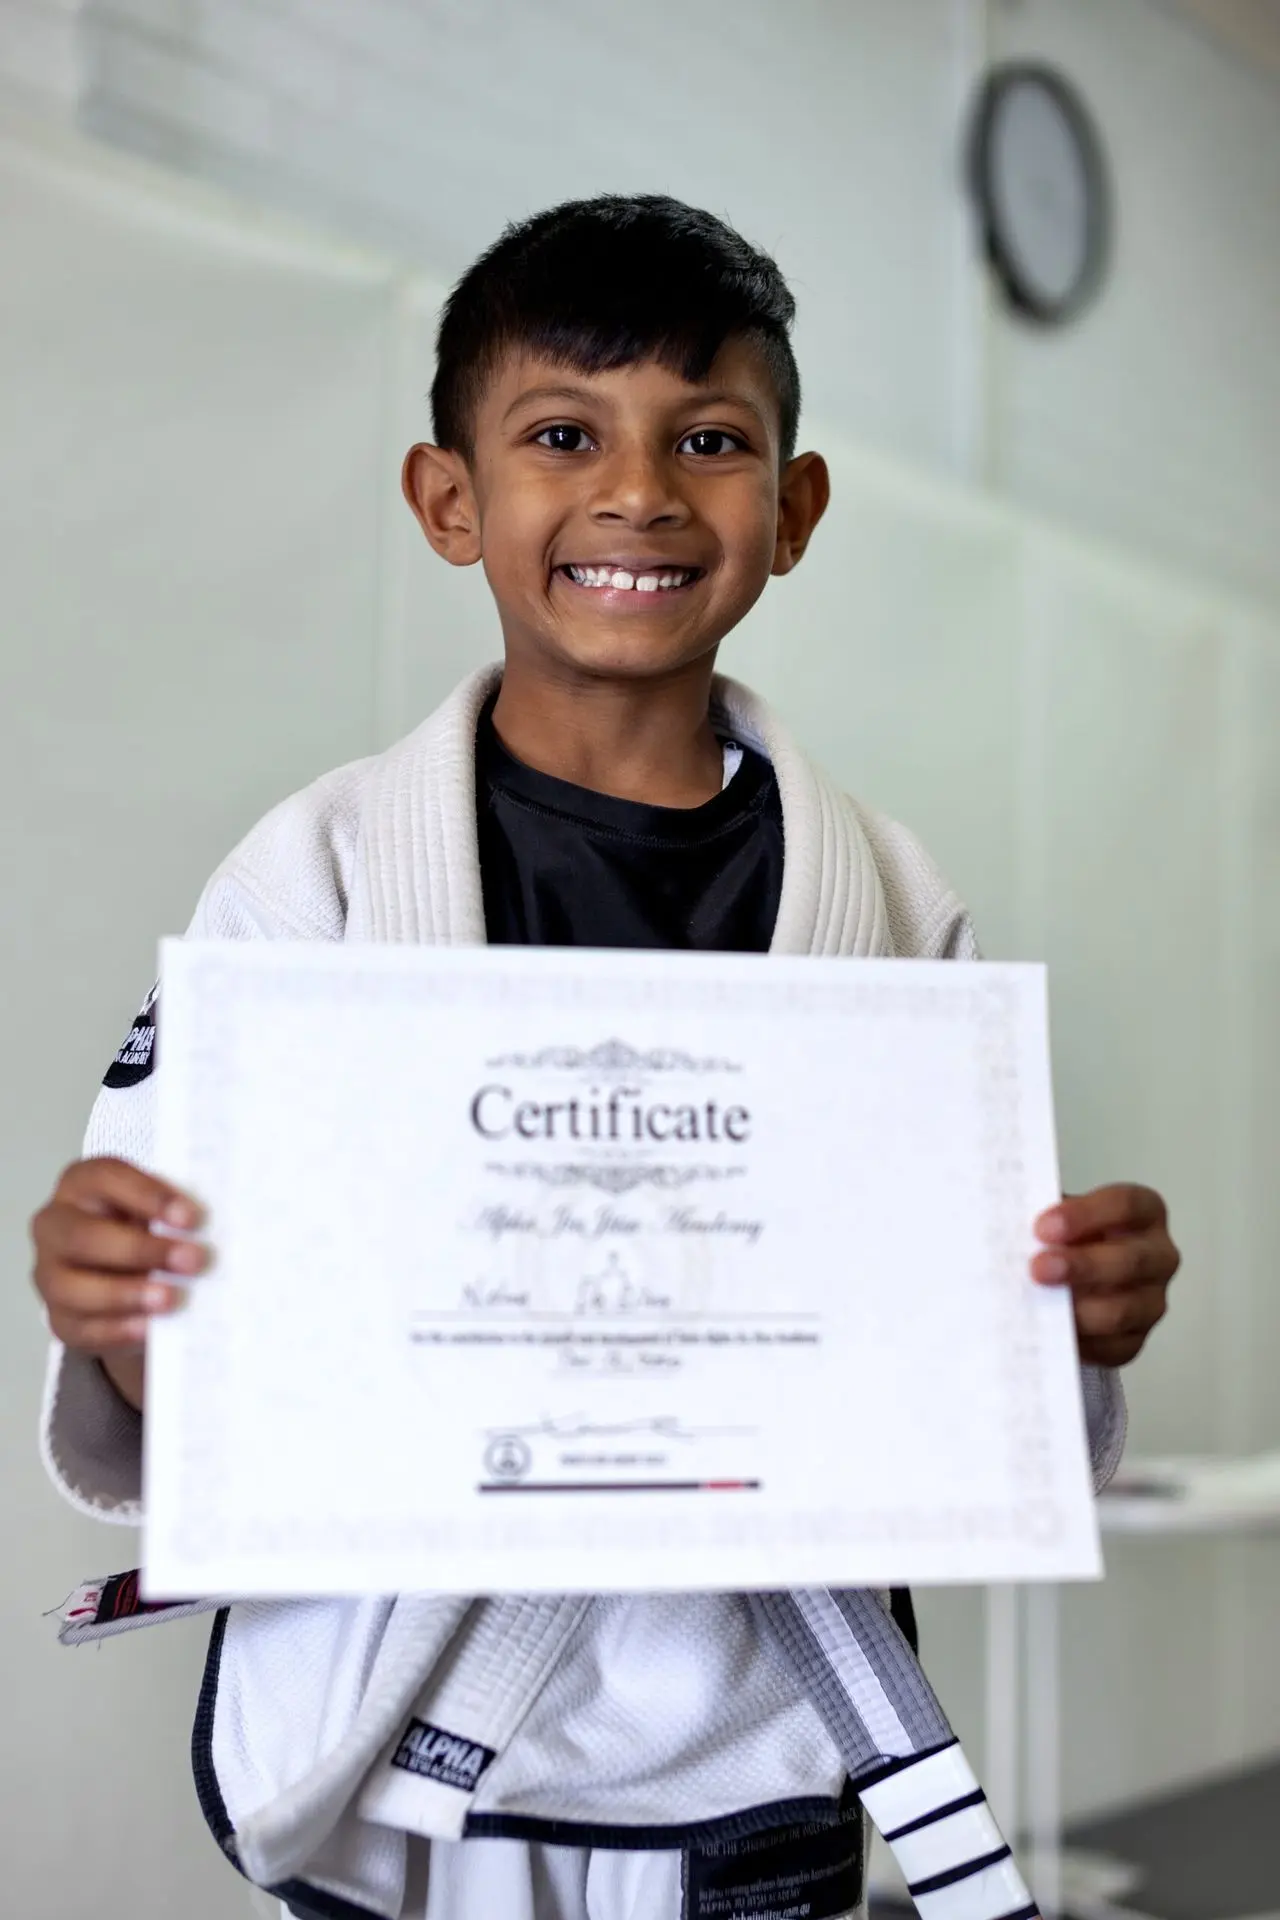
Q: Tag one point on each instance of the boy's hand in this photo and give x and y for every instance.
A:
(96, 1255)
(1112, 1248)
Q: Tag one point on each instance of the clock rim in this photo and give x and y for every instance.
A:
(1024, 296)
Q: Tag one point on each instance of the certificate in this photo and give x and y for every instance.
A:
(578, 1271)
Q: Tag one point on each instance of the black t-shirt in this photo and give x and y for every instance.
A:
(564, 867)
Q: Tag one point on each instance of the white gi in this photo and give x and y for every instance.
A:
(674, 1722)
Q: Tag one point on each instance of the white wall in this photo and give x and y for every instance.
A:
(190, 491)
(1069, 683)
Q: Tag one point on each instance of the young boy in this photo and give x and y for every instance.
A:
(615, 411)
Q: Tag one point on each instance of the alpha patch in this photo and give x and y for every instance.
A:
(811, 1872)
(137, 1056)
(433, 1754)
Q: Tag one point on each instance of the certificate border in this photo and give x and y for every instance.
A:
(207, 1533)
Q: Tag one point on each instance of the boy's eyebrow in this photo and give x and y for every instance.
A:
(726, 397)
(699, 398)
(548, 393)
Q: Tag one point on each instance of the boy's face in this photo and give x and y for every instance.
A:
(626, 520)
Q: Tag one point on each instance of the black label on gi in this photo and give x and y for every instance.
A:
(434, 1754)
(812, 1872)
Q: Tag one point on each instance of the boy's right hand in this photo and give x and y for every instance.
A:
(97, 1257)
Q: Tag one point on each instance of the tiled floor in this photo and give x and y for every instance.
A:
(1209, 1853)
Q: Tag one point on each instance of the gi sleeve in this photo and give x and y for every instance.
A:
(1106, 1419)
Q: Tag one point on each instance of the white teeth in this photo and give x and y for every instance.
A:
(622, 582)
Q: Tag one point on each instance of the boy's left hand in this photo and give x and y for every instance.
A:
(1112, 1248)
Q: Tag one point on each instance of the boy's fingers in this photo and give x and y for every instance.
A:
(107, 1334)
(1109, 1266)
(90, 1240)
(1084, 1216)
(1111, 1316)
(116, 1184)
(1112, 1353)
(76, 1293)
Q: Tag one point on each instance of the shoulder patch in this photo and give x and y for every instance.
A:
(137, 1056)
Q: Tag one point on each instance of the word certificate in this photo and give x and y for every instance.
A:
(565, 1270)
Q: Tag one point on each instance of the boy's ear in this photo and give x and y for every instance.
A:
(802, 501)
(437, 485)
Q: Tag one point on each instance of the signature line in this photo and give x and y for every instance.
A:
(573, 1426)
(619, 1486)
(589, 1315)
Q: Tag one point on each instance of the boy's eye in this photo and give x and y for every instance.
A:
(710, 441)
(563, 438)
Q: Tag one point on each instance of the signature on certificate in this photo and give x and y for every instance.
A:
(613, 1291)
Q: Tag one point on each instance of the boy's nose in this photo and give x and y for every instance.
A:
(638, 490)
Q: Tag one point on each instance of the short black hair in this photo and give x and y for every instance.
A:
(609, 282)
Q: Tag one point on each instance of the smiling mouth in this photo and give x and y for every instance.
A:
(631, 580)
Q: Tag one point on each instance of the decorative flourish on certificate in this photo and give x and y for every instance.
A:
(609, 1179)
(616, 1056)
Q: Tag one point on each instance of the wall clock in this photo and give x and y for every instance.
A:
(1039, 176)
